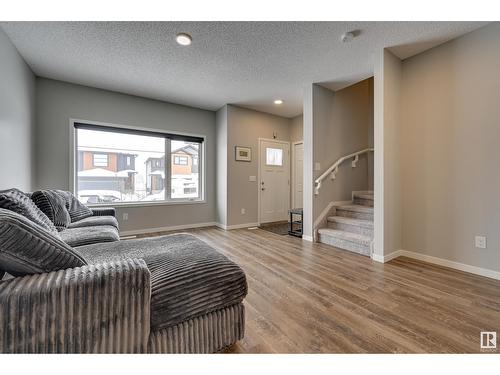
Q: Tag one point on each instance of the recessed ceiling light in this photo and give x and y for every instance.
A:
(278, 101)
(183, 39)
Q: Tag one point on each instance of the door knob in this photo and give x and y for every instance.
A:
(262, 188)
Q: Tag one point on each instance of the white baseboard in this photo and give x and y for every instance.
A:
(439, 261)
(236, 226)
(166, 229)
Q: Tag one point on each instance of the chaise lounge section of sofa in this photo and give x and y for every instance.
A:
(167, 294)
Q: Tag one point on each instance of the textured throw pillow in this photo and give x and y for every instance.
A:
(77, 210)
(27, 248)
(53, 205)
(16, 201)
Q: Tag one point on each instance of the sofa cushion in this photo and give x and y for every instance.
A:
(77, 210)
(89, 235)
(95, 221)
(188, 277)
(27, 248)
(16, 201)
(52, 204)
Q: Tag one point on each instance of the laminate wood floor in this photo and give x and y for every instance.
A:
(312, 298)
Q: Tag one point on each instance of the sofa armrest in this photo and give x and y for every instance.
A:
(103, 308)
(104, 211)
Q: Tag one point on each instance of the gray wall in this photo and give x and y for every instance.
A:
(221, 165)
(57, 102)
(17, 115)
(387, 213)
(342, 121)
(297, 128)
(245, 127)
(450, 149)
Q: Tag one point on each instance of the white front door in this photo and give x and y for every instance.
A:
(298, 175)
(274, 180)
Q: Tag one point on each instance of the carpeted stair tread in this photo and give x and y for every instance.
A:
(351, 221)
(355, 208)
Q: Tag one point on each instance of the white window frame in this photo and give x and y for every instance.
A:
(73, 167)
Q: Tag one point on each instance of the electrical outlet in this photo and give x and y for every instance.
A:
(243, 211)
(480, 242)
(125, 216)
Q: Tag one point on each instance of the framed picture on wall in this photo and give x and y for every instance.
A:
(243, 153)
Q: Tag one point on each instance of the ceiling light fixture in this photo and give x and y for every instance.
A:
(183, 39)
(278, 101)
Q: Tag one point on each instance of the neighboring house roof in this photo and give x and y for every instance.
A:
(188, 149)
(99, 172)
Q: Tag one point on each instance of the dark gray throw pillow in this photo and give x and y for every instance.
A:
(77, 210)
(52, 204)
(27, 248)
(16, 201)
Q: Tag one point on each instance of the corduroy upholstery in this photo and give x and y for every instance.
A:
(77, 210)
(188, 277)
(104, 211)
(16, 201)
(207, 333)
(182, 297)
(52, 204)
(92, 309)
(27, 248)
(93, 221)
(90, 235)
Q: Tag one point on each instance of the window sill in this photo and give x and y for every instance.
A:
(147, 204)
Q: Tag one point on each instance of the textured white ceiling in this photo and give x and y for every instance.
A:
(245, 63)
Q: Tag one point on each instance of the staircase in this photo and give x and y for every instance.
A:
(351, 227)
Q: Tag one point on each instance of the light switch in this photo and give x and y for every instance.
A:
(317, 166)
(252, 178)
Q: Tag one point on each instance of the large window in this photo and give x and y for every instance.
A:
(115, 165)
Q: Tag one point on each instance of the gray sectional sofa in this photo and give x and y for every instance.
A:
(71, 286)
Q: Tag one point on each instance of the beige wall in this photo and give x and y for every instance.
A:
(450, 149)
(245, 127)
(342, 121)
(388, 203)
(297, 129)
(57, 102)
(17, 119)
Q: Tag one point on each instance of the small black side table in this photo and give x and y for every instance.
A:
(296, 232)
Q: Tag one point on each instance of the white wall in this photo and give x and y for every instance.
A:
(450, 149)
(245, 127)
(17, 115)
(57, 102)
(387, 213)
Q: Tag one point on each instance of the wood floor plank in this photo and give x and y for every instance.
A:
(312, 298)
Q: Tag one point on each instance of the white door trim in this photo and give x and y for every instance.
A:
(292, 166)
(260, 140)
